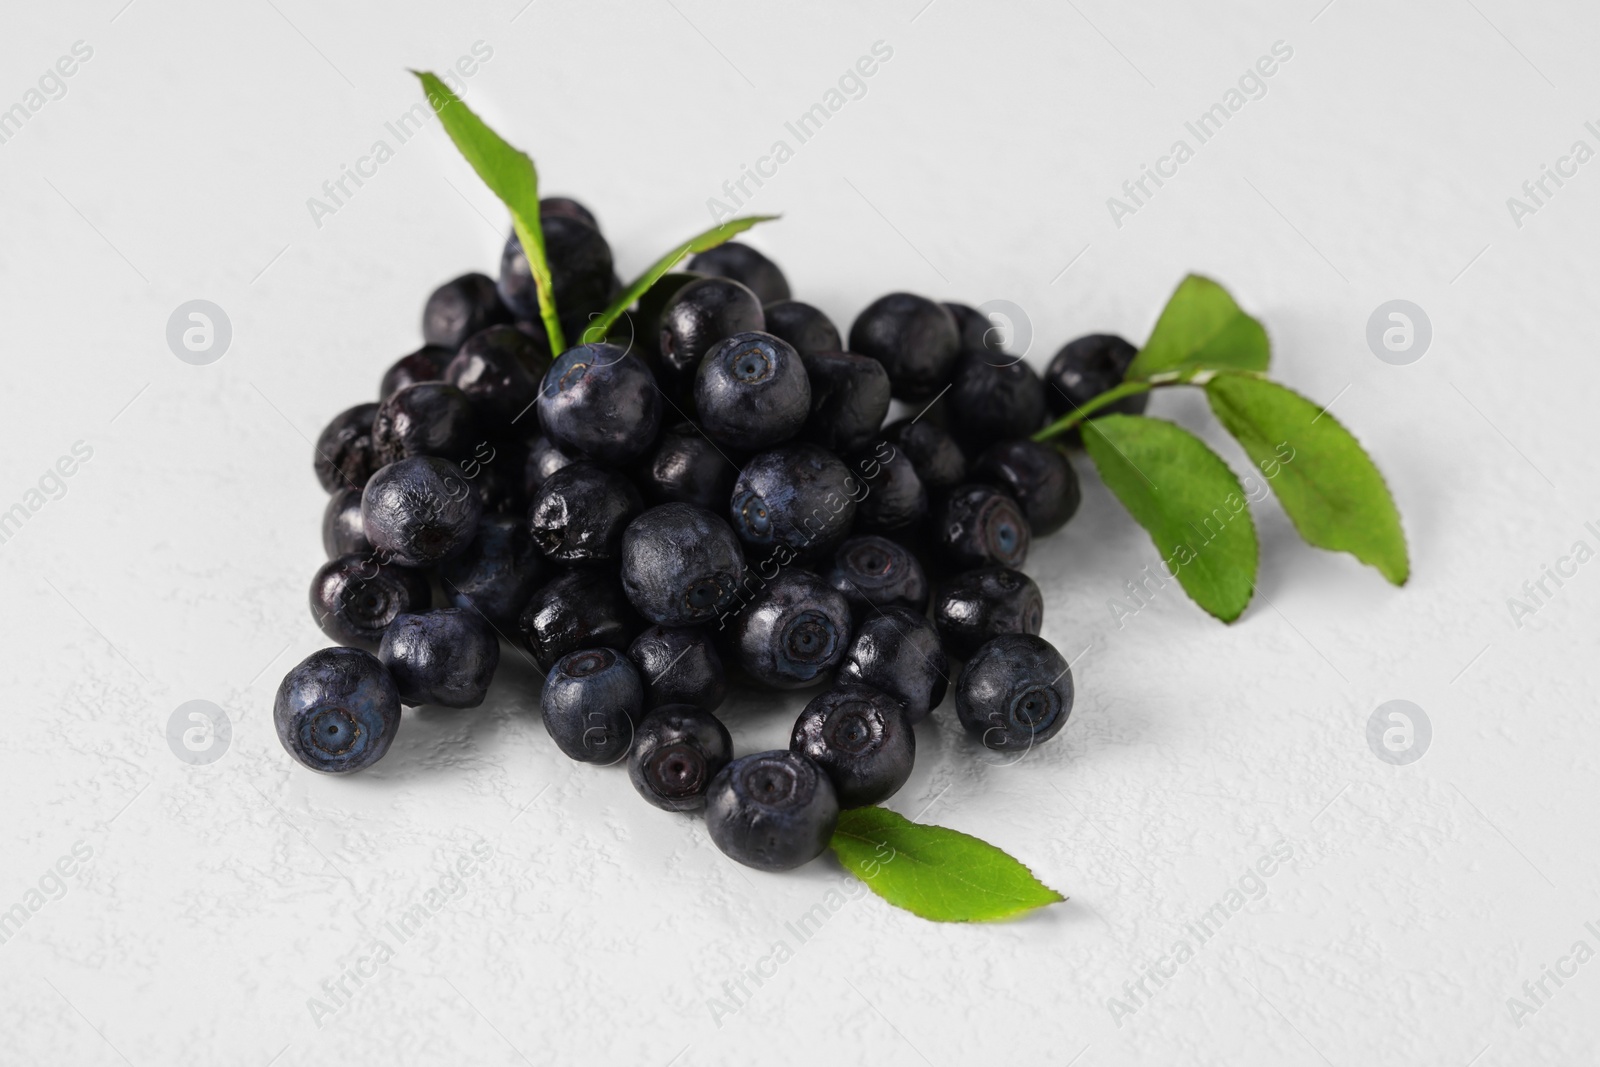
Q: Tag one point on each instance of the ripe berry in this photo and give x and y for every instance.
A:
(420, 510)
(915, 339)
(934, 454)
(898, 651)
(337, 711)
(579, 608)
(979, 525)
(426, 364)
(1015, 692)
(994, 396)
(445, 657)
(602, 401)
(751, 391)
(792, 631)
(342, 532)
(747, 267)
(797, 496)
(861, 740)
(579, 513)
(592, 698)
(545, 457)
(425, 419)
(499, 370)
(681, 565)
(568, 208)
(496, 573)
(688, 468)
(698, 316)
(849, 398)
(354, 598)
(679, 665)
(1039, 476)
(874, 572)
(978, 333)
(344, 457)
(1087, 367)
(772, 811)
(803, 326)
(460, 308)
(677, 751)
(981, 604)
(894, 497)
(581, 272)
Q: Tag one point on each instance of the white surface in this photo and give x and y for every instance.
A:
(976, 167)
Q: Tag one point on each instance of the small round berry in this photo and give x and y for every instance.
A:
(1039, 476)
(701, 314)
(898, 651)
(1087, 367)
(601, 400)
(578, 608)
(460, 308)
(994, 396)
(677, 751)
(747, 267)
(567, 208)
(689, 468)
(337, 711)
(894, 497)
(342, 532)
(579, 513)
(495, 574)
(446, 657)
(915, 339)
(798, 496)
(420, 510)
(581, 270)
(344, 455)
(793, 631)
(849, 398)
(1015, 692)
(875, 572)
(591, 700)
(425, 419)
(978, 332)
(978, 605)
(498, 370)
(545, 457)
(681, 565)
(861, 740)
(934, 454)
(773, 811)
(354, 598)
(426, 364)
(751, 391)
(679, 665)
(803, 326)
(979, 525)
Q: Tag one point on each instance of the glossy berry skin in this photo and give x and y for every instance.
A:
(681, 565)
(747, 267)
(344, 458)
(566, 207)
(581, 270)
(601, 400)
(425, 419)
(355, 597)
(898, 651)
(496, 573)
(499, 370)
(751, 392)
(874, 572)
(689, 468)
(644, 321)
(545, 457)
(699, 315)
(426, 364)
(460, 308)
(579, 513)
(793, 631)
(934, 454)
(1087, 367)
(445, 657)
(849, 398)
(979, 525)
(420, 510)
(978, 605)
(592, 698)
(772, 810)
(679, 665)
(915, 339)
(994, 396)
(337, 711)
(797, 497)
(1015, 692)
(894, 498)
(860, 738)
(1039, 476)
(806, 328)
(677, 751)
(342, 532)
(579, 608)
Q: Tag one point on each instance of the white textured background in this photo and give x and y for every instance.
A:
(218, 898)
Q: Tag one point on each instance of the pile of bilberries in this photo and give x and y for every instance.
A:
(718, 488)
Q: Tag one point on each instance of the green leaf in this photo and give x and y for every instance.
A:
(1327, 484)
(711, 238)
(935, 872)
(1187, 498)
(1201, 326)
(510, 174)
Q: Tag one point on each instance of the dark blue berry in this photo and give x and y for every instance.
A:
(977, 605)
(545, 457)
(1015, 692)
(994, 396)
(495, 471)
(581, 271)
(898, 651)
(979, 525)
(644, 321)
(354, 598)
(1087, 367)
(915, 339)
(773, 811)
(602, 401)
(894, 497)
(875, 572)
(420, 510)
(934, 454)
(342, 531)
(677, 751)
(592, 698)
(579, 513)
(425, 419)
(803, 326)
(751, 391)
(567, 207)
(688, 468)
(679, 665)
(445, 657)
(460, 308)
(800, 497)
(681, 565)
(337, 711)
(793, 631)
(579, 608)
(344, 455)
(499, 370)
(699, 315)
(496, 573)
(426, 364)
(861, 739)
(747, 267)
(978, 332)
(849, 398)
(1039, 476)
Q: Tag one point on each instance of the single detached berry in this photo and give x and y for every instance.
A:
(699, 316)
(344, 457)
(681, 565)
(793, 631)
(337, 711)
(591, 700)
(994, 396)
(579, 608)
(978, 605)
(354, 598)
(1039, 476)
(798, 496)
(861, 739)
(874, 572)
(751, 392)
(915, 339)
(425, 419)
(688, 468)
(342, 532)
(849, 398)
(499, 370)
(806, 328)
(894, 497)
(934, 454)
(1015, 692)
(747, 267)
(579, 513)
(677, 751)
(679, 665)
(1087, 367)
(426, 364)
(419, 511)
(496, 573)
(602, 401)
(980, 525)
(898, 651)
(581, 271)
(773, 811)
(445, 657)
(545, 457)
(460, 308)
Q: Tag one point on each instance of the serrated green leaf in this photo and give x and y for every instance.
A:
(1190, 502)
(510, 174)
(933, 871)
(700, 242)
(1202, 326)
(1326, 482)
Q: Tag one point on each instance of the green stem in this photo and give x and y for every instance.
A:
(1191, 376)
(532, 239)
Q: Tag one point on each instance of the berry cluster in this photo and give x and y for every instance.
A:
(720, 488)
